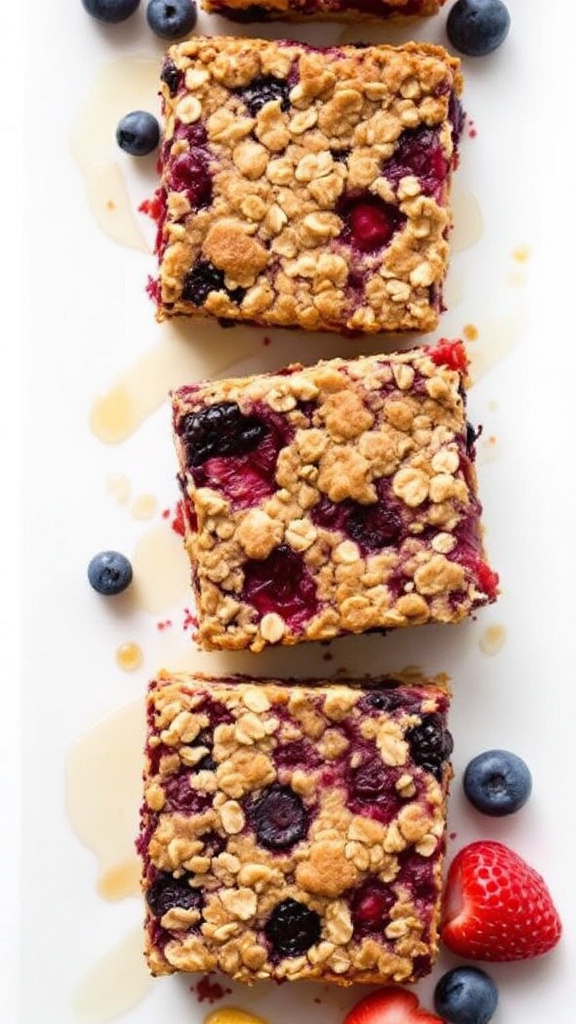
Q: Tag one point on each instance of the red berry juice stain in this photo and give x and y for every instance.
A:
(163, 624)
(266, 341)
(189, 621)
(209, 991)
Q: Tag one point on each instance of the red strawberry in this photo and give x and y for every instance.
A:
(496, 906)
(390, 1006)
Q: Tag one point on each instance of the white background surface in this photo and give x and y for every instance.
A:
(86, 320)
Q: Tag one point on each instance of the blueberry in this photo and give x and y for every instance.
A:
(278, 818)
(167, 892)
(109, 572)
(138, 133)
(171, 19)
(374, 526)
(292, 928)
(477, 27)
(466, 995)
(263, 90)
(111, 11)
(497, 782)
(430, 744)
(218, 430)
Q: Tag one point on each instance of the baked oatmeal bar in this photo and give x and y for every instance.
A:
(303, 187)
(294, 830)
(319, 10)
(331, 499)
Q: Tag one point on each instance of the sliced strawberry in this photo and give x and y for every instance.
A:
(390, 1005)
(496, 906)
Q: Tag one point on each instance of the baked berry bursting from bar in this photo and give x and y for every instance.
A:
(316, 10)
(331, 499)
(303, 187)
(294, 830)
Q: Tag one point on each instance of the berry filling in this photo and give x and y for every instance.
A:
(372, 527)
(292, 928)
(181, 797)
(419, 153)
(204, 278)
(189, 173)
(369, 222)
(264, 90)
(281, 583)
(278, 818)
(372, 789)
(167, 892)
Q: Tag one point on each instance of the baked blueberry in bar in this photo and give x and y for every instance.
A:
(318, 10)
(294, 830)
(306, 187)
(331, 499)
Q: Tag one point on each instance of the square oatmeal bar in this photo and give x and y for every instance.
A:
(331, 499)
(303, 187)
(294, 830)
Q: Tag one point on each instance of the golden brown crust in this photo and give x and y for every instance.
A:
(349, 847)
(283, 174)
(384, 433)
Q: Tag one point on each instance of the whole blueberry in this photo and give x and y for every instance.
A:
(109, 572)
(138, 133)
(171, 19)
(477, 27)
(497, 782)
(111, 11)
(466, 995)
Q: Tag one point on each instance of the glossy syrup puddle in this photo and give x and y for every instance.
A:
(232, 1015)
(103, 793)
(121, 85)
(143, 388)
(492, 639)
(161, 570)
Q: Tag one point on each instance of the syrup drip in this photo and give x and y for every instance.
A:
(129, 657)
(161, 570)
(144, 387)
(115, 984)
(121, 85)
(103, 794)
(232, 1015)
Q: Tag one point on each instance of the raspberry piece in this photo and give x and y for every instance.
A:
(281, 583)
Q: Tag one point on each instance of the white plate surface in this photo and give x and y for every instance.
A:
(98, 472)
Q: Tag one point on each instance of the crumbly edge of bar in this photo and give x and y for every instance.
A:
(171, 699)
(277, 184)
(411, 439)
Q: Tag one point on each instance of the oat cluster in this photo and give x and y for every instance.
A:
(240, 883)
(276, 227)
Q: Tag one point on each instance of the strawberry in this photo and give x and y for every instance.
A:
(496, 906)
(390, 1005)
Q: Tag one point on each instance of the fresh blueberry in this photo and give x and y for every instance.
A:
(466, 995)
(477, 27)
(171, 19)
(111, 11)
(292, 928)
(138, 133)
(263, 90)
(278, 818)
(109, 573)
(497, 782)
